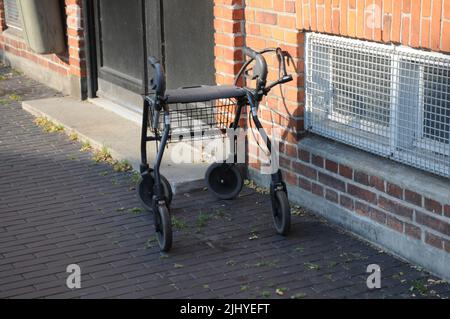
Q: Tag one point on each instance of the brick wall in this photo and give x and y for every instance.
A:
(229, 39)
(271, 23)
(75, 41)
(386, 203)
(2, 25)
(415, 23)
(261, 24)
(2, 17)
(70, 63)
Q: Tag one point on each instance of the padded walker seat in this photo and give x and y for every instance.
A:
(203, 93)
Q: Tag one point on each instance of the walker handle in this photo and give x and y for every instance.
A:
(260, 68)
(158, 82)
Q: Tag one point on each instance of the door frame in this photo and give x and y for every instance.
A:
(91, 35)
(152, 40)
(90, 48)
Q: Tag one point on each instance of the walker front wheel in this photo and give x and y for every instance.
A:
(224, 180)
(163, 227)
(281, 211)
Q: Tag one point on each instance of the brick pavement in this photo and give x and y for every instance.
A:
(59, 207)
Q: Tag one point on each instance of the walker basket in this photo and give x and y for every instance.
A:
(198, 120)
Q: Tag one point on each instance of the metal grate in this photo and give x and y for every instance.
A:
(389, 100)
(199, 120)
(12, 14)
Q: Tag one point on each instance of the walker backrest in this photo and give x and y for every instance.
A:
(158, 81)
(260, 68)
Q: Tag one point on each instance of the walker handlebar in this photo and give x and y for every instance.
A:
(158, 81)
(260, 69)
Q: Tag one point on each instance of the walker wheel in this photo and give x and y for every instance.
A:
(281, 211)
(163, 227)
(224, 180)
(168, 193)
(145, 190)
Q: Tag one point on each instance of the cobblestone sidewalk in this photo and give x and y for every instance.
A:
(59, 207)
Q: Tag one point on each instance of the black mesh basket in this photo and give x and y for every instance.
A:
(199, 120)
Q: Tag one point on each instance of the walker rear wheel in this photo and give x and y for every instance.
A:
(168, 193)
(224, 180)
(145, 190)
(281, 211)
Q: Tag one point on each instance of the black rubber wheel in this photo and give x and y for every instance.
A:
(168, 193)
(224, 180)
(281, 213)
(163, 227)
(145, 190)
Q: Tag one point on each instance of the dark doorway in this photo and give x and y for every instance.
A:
(179, 32)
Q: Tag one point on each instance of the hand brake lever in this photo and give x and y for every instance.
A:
(284, 79)
(281, 59)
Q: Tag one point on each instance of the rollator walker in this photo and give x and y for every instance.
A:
(194, 111)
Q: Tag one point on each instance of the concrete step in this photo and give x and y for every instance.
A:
(183, 165)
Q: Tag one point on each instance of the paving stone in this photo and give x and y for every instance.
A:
(58, 207)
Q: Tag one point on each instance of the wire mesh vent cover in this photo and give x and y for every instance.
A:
(389, 100)
(12, 14)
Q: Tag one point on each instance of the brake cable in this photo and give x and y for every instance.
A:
(281, 65)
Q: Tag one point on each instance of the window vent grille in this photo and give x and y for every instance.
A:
(12, 14)
(390, 100)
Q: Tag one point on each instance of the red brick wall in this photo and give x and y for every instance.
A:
(270, 23)
(71, 63)
(414, 23)
(229, 39)
(2, 17)
(385, 203)
(2, 24)
(77, 59)
(265, 24)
